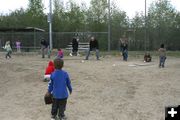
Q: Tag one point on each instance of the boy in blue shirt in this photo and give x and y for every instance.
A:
(58, 84)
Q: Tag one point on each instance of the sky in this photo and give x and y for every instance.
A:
(129, 6)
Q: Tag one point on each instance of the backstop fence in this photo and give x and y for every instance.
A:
(62, 39)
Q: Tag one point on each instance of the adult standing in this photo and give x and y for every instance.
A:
(44, 47)
(75, 45)
(93, 46)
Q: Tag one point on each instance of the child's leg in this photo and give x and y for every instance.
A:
(62, 107)
(6, 55)
(54, 108)
(49, 53)
(163, 61)
(125, 55)
(9, 54)
(160, 61)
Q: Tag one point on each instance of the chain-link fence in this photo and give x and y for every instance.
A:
(31, 40)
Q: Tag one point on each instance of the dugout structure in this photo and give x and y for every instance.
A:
(29, 37)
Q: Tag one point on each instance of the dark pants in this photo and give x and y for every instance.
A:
(45, 50)
(74, 51)
(162, 61)
(58, 106)
(125, 55)
(88, 53)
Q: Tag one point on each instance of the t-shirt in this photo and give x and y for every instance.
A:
(162, 52)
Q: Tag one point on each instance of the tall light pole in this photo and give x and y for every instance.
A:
(145, 34)
(109, 25)
(50, 24)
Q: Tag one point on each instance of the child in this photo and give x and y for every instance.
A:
(18, 46)
(60, 54)
(125, 51)
(58, 84)
(8, 49)
(162, 56)
(147, 57)
(48, 71)
(124, 47)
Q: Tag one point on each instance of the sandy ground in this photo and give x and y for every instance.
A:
(109, 89)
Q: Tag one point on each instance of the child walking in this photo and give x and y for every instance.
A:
(58, 85)
(124, 47)
(162, 56)
(8, 49)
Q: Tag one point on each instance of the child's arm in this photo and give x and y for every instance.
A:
(68, 83)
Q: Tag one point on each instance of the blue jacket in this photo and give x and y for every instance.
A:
(58, 84)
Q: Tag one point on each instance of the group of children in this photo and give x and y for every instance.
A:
(59, 81)
(162, 56)
(50, 68)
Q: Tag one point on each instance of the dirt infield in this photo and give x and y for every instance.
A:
(109, 89)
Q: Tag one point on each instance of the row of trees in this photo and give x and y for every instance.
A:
(162, 22)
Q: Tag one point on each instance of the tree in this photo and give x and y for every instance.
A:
(161, 18)
(58, 16)
(75, 17)
(97, 15)
(138, 25)
(119, 24)
(35, 15)
(35, 8)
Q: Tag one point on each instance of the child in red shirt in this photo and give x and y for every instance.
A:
(48, 71)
